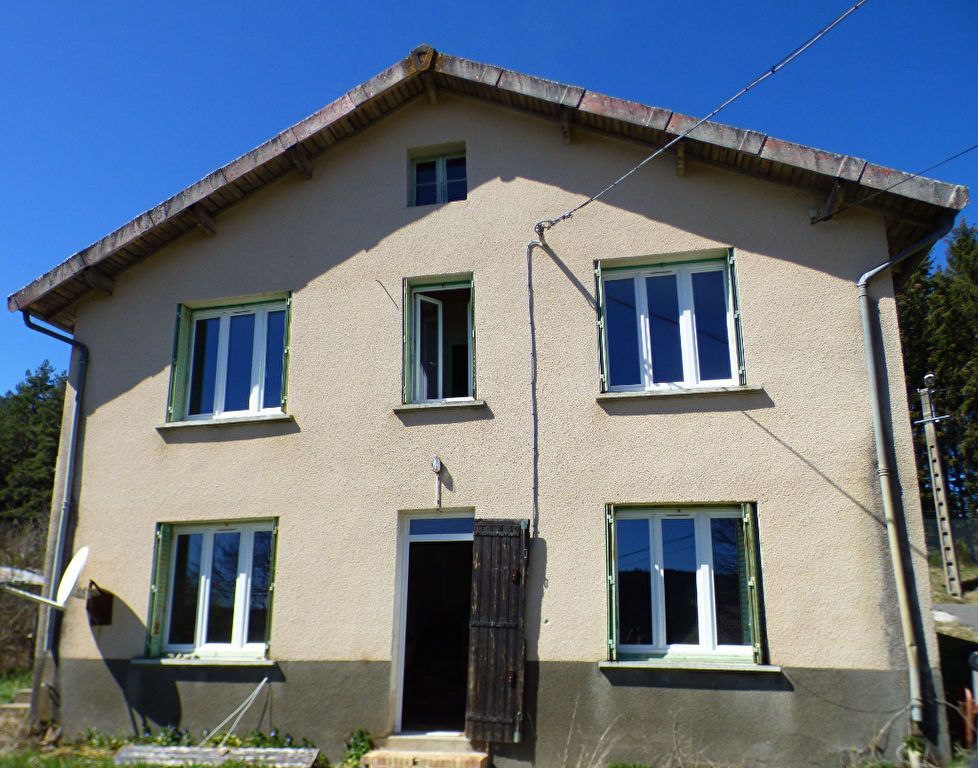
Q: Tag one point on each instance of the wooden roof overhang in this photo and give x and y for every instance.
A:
(911, 210)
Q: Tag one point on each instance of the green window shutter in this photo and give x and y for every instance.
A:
(738, 332)
(754, 588)
(271, 588)
(611, 556)
(179, 365)
(407, 369)
(599, 314)
(158, 590)
(472, 325)
(286, 349)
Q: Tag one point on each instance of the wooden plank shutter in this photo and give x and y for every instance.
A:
(611, 557)
(158, 590)
(407, 369)
(599, 310)
(497, 644)
(754, 590)
(472, 333)
(179, 366)
(286, 351)
(738, 329)
(271, 587)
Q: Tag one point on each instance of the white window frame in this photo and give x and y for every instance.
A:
(441, 177)
(687, 325)
(417, 373)
(225, 314)
(705, 594)
(238, 647)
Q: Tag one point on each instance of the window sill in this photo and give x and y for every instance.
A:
(212, 661)
(249, 419)
(693, 392)
(691, 665)
(437, 406)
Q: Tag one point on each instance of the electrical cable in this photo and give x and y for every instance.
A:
(912, 176)
(546, 224)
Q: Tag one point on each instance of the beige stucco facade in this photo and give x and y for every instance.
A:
(341, 474)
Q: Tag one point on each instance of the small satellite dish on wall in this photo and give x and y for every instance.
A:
(65, 588)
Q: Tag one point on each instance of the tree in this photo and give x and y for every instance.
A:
(30, 427)
(939, 326)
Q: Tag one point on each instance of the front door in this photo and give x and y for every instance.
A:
(436, 624)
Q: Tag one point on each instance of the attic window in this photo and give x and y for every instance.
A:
(438, 176)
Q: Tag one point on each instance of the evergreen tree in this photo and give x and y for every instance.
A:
(912, 305)
(953, 327)
(939, 325)
(30, 425)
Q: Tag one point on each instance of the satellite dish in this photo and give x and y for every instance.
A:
(65, 588)
(70, 578)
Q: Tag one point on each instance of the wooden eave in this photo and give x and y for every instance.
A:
(911, 210)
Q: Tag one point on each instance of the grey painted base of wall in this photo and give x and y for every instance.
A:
(577, 713)
(323, 701)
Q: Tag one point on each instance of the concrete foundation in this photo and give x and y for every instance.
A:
(576, 712)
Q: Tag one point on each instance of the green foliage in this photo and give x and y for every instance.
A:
(95, 739)
(357, 746)
(172, 736)
(629, 765)
(939, 327)
(30, 425)
(11, 682)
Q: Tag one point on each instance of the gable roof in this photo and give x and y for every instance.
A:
(912, 209)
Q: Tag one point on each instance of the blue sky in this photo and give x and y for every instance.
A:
(109, 108)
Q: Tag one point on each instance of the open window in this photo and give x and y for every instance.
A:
(439, 341)
(212, 587)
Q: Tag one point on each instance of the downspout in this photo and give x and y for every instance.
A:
(55, 554)
(534, 412)
(883, 447)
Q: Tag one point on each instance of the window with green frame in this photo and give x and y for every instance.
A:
(670, 323)
(230, 360)
(684, 583)
(212, 587)
(439, 339)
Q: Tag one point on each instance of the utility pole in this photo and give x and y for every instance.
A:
(949, 557)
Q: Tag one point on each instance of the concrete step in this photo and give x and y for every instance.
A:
(403, 758)
(424, 742)
(22, 696)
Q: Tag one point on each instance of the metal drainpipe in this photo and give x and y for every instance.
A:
(55, 554)
(883, 447)
(534, 413)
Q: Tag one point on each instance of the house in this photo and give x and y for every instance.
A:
(323, 441)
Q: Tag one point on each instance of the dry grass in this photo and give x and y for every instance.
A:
(957, 629)
(969, 580)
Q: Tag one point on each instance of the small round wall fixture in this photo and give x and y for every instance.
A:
(436, 464)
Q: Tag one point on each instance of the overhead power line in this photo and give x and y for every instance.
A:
(546, 224)
(878, 192)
